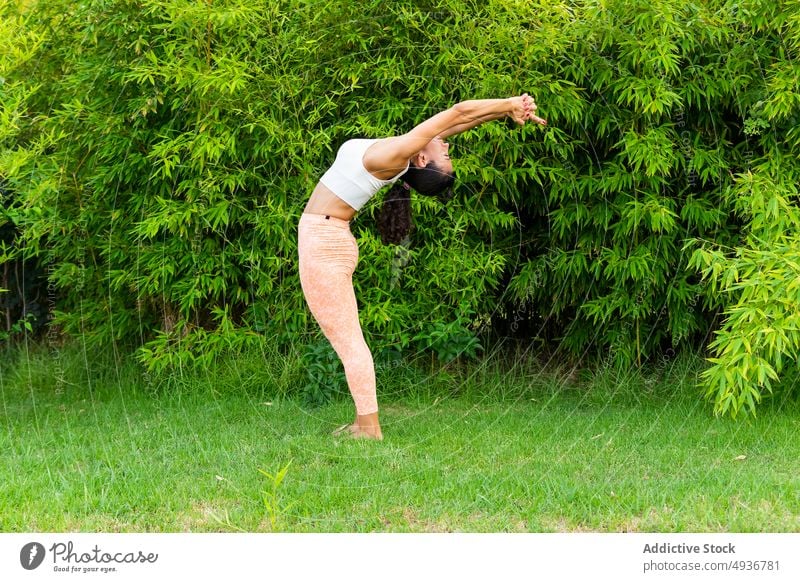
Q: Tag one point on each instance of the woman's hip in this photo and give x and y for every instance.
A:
(326, 244)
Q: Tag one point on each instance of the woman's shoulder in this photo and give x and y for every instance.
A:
(380, 159)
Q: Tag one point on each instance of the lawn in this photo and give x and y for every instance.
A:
(500, 445)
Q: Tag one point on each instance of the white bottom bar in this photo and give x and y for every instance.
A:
(417, 557)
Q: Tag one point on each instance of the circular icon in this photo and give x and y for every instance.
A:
(31, 556)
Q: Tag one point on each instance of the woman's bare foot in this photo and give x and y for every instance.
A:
(365, 427)
(357, 432)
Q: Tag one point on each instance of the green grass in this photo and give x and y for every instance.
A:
(90, 445)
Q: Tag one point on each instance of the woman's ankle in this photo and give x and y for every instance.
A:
(367, 420)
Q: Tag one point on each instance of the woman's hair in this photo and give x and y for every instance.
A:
(394, 220)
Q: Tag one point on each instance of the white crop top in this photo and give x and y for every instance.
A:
(349, 179)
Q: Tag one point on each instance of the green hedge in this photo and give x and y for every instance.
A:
(158, 154)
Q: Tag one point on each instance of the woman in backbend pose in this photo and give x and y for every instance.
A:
(328, 252)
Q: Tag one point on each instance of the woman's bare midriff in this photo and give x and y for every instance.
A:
(323, 201)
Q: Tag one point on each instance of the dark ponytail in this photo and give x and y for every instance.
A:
(394, 220)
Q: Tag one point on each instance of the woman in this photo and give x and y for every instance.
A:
(328, 252)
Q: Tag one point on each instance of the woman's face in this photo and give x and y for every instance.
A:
(437, 152)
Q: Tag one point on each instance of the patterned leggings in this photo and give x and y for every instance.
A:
(328, 255)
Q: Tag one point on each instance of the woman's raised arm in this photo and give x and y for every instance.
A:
(527, 114)
(392, 154)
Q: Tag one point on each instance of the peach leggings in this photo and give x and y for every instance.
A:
(328, 255)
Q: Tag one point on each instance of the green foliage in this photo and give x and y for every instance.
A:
(324, 375)
(22, 301)
(18, 328)
(273, 503)
(759, 285)
(160, 152)
(761, 334)
(449, 340)
(187, 346)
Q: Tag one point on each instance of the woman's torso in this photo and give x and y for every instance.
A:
(325, 201)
